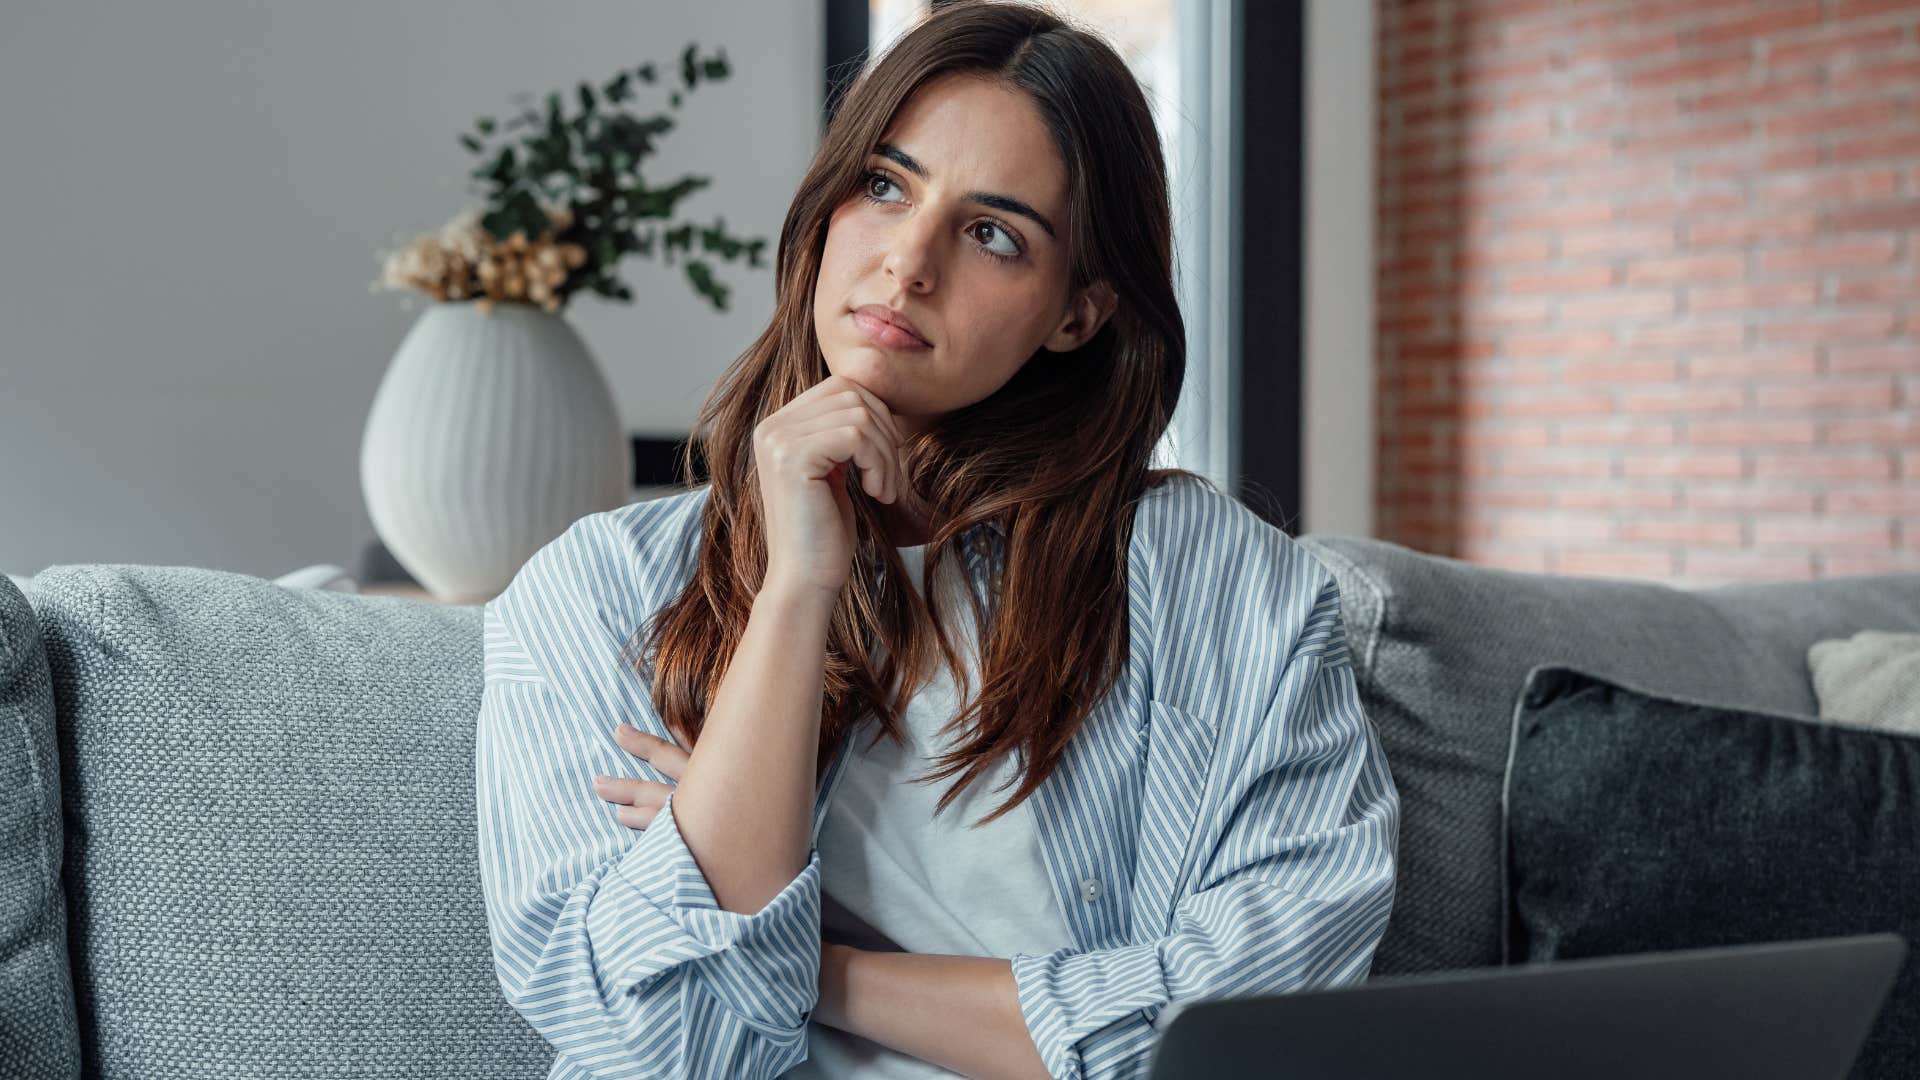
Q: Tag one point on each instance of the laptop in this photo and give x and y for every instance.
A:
(1795, 1010)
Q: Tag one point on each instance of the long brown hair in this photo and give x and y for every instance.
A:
(1047, 470)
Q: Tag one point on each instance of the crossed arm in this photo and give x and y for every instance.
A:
(618, 952)
(959, 1012)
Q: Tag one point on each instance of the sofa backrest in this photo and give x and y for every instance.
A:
(38, 1033)
(270, 830)
(1442, 647)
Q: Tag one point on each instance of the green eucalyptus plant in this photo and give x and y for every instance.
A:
(565, 201)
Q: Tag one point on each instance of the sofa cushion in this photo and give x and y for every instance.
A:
(1642, 823)
(271, 836)
(38, 1033)
(1442, 647)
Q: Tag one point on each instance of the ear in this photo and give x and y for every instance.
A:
(1086, 313)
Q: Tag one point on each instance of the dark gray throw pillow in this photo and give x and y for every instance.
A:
(1637, 823)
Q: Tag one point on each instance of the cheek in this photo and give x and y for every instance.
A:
(830, 252)
(853, 239)
(833, 287)
(1021, 320)
(1002, 332)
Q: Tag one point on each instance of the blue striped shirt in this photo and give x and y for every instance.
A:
(1223, 824)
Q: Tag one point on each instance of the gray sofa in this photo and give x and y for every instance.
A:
(239, 828)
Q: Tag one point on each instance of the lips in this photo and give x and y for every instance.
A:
(882, 313)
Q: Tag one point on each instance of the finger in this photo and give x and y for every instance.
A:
(832, 384)
(837, 393)
(879, 409)
(665, 756)
(633, 817)
(629, 790)
(831, 450)
(851, 398)
(669, 757)
(676, 742)
(887, 437)
(902, 487)
(861, 416)
(840, 384)
(801, 405)
(858, 443)
(857, 394)
(857, 414)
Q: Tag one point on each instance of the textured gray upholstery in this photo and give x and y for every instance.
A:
(38, 1036)
(271, 838)
(269, 828)
(1441, 651)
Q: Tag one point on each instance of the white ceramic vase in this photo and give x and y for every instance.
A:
(489, 435)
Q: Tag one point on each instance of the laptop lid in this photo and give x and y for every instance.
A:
(1792, 1010)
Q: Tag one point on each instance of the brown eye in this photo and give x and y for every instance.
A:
(876, 177)
(1012, 251)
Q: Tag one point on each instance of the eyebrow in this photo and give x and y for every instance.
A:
(985, 198)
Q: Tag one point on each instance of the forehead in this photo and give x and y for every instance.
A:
(976, 134)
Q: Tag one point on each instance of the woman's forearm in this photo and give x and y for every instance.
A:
(959, 1012)
(744, 800)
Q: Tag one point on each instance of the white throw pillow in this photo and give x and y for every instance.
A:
(1871, 679)
(319, 576)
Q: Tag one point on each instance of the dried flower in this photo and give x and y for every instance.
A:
(464, 261)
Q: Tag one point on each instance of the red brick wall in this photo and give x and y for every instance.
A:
(1649, 285)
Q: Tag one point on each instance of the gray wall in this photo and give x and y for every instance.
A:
(195, 193)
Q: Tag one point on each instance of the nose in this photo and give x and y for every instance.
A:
(911, 255)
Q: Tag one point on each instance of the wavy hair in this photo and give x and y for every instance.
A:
(1046, 471)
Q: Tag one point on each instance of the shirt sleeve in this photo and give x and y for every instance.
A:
(1298, 829)
(606, 939)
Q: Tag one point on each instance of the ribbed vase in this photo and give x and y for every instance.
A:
(489, 435)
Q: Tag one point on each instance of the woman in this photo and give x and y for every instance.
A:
(932, 545)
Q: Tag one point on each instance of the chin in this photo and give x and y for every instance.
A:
(874, 369)
(864, 364)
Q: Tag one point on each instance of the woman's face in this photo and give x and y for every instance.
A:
(960, 227)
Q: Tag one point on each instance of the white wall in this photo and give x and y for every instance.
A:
(1339, 376)
(195, 193)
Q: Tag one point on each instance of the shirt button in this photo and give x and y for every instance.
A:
(1090, 889)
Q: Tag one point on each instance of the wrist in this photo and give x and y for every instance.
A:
(786, 596)
(831, 1009)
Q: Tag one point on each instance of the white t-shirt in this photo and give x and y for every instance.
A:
(894, 877)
